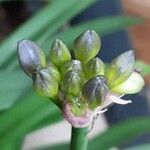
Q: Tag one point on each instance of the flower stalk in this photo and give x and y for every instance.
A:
(79, 139)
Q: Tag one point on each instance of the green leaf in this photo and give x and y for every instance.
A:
(34, 26)
(139, 147)
(73, 10)
(115, 135)
(13, 86)
(121, 133)
(103, 25)
(18, 112)
(25, 116)
(63, 146)
(145, 68)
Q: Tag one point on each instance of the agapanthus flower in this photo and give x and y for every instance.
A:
(85, 86)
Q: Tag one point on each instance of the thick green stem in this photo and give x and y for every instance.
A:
(79, 139)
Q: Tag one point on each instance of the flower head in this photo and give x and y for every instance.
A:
(85, 86)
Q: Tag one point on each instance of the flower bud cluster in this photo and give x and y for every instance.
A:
(84, 85)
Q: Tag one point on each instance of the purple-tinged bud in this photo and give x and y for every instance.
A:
(45, 83)
(94, 91)
(30, 56)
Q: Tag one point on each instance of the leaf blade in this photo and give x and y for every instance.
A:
(47, 18)
(121, 133)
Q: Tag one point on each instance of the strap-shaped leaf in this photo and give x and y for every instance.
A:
(143, 67)
(25, 116)
(114, 136)
(46, 18)
(121, 133)
(103, 25)
(13, 86)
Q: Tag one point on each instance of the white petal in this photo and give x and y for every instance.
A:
(100, 111)
(118, 100)
(133, 84)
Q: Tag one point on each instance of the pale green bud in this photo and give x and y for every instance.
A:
(86, 46)
(72, 82)
(132, 85)
(30, 56)
(54, 71)
(45, 83)
(94, 91)
(59, 53)
(120, 69)
(71, 65)
(94, 67)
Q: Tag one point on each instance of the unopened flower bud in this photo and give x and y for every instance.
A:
(72, 82)
(59, 53)
(45, 83)
(120, 69)
(30, 56)
(94, 91)
(71, 65)
(54, 71)
(132, 85)
(86, 46)
(94, 67)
